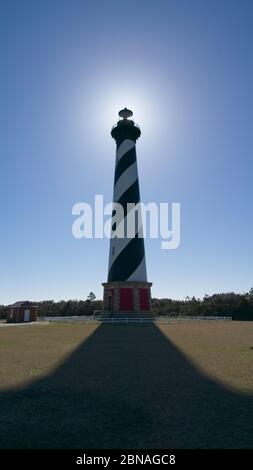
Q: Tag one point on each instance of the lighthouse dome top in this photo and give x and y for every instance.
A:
(125, 113)
(125, 128)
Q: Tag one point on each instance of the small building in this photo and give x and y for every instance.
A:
(22, 312)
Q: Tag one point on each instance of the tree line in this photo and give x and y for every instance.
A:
(237, 306)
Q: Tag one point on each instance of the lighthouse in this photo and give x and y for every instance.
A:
(127, 290)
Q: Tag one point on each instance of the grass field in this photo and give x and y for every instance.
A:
(110, 386)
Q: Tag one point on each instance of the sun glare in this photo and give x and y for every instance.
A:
(106, 102)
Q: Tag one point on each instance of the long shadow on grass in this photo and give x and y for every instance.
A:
(126, 387)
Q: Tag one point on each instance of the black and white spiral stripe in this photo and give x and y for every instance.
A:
(127, 256)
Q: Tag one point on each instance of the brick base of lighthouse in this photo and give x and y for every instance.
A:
(127, 297)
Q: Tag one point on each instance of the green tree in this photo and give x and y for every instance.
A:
(91, 296)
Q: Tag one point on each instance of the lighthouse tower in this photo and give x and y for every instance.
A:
(126, 289)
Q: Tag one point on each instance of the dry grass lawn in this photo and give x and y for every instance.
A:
(221, 350)
(127, 386)
(28, 352)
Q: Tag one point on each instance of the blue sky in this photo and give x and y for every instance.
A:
(186, 70)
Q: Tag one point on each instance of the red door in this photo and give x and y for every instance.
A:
(126, 299)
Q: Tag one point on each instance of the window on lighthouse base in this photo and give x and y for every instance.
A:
(144, 299)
